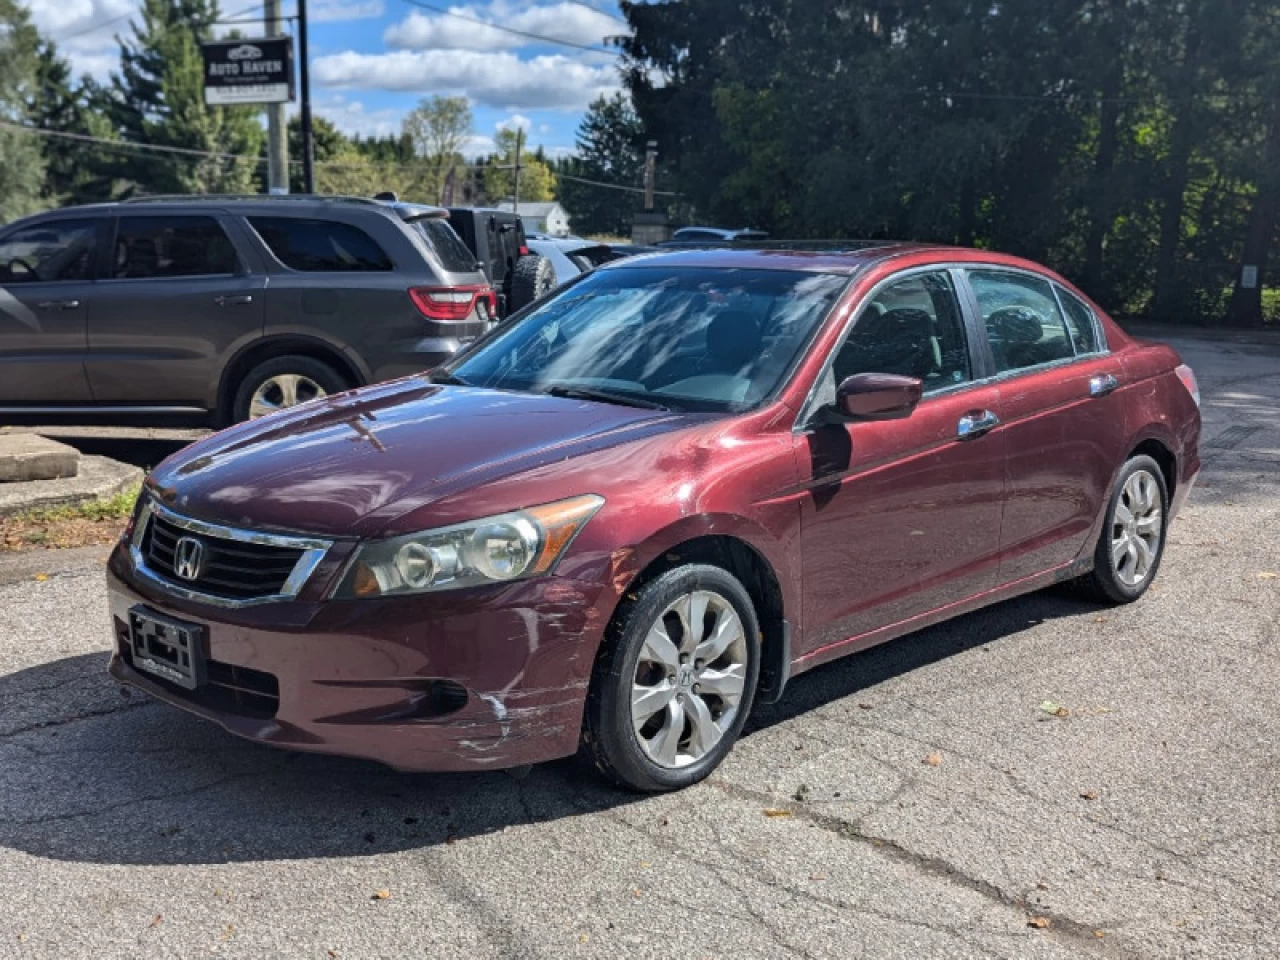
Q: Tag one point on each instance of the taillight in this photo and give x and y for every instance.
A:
(523, 250)
(1188, 378)
(453, 304)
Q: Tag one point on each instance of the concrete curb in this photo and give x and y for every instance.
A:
(99, 478)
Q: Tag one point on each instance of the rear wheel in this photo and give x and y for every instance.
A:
(1131, 544)
(673, 687)
(284, 382)
(532, 279)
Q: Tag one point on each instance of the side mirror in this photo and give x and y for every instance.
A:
(878, 396)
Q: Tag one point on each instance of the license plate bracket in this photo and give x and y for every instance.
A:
(167, 648)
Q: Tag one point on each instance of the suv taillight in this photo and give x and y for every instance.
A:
(453, 304)
(1188, 378)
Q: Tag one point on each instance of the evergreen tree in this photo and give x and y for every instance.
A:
(22, 162)
(610, 149)
(160, 100)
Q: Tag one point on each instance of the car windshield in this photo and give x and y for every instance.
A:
(685, 338)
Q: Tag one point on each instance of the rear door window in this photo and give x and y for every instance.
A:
(321, 246)
(159, 247)
(1024, 325)
(49, 252)
(444, 242)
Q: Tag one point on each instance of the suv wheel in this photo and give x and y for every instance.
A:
(284, 382)
(531, 280)
(673, 687)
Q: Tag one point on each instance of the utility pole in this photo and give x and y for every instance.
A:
(308, 150)
(277, 128)
(650, 171)
(515, 205)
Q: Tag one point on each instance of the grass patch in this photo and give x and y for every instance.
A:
(75, 525)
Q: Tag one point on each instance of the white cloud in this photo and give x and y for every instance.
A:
(499, 80)
(85, 31)
(478, 145)
(516, 121)
(353, 119)
(570, 22)
(544, 128)
(333, 11)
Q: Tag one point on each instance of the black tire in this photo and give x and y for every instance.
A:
(329, 380)
(610, 736)
(1106, 583)
(532, 279)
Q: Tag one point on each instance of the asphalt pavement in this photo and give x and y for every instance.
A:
(914, 801)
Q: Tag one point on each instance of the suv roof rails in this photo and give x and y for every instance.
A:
(250, 197)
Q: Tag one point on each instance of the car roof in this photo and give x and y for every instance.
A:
(835, 257)
(254, 203)
(846, 259)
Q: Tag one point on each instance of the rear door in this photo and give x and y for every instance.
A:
(903, 515)
(1060, 413)
(177, 299)
(46, 282)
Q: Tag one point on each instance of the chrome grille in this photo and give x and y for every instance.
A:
(234, 567)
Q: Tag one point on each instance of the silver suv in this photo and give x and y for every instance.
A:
(220, 309)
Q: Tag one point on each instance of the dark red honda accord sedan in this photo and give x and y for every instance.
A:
(625, 516)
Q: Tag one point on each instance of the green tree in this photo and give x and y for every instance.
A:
(160, 100)
(537, 182)
(22, 162)
(439, 127)
(610, 149)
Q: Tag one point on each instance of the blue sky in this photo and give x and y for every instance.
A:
(372, 60)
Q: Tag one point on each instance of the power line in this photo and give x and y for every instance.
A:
(441, 11)
(257, 161)
(128, 13)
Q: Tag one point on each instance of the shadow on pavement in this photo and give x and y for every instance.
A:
(144, 452)
(93, 776)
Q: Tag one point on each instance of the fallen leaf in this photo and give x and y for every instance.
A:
(156, 921)
(934, 759)
(41, 577)
(382, 895)
(1089, 795)
(22, 938)
(1040, 923)
(583, 938)
(864, 706)
(1042, 886)
(1269, 575)
(1099, 934)
(1100, 619)
(776, 812)
(1054, 709)
(226, 934)
(645, 864)
(817, 876)
(333, 954)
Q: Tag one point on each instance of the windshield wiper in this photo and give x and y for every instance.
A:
(603, 396)
(448, 379)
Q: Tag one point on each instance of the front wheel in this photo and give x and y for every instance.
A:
(675, 683)
(1132, 541)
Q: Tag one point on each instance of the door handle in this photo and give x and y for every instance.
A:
(58, 304)
(1102, 385)
(975, 424)
(236, 300)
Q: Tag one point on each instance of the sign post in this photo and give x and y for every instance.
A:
(258, 70)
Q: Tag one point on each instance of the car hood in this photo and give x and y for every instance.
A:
(350, 465)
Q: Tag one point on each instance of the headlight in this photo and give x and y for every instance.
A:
(491, 550)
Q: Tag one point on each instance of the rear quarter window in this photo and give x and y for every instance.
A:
(321, 246)
(443, 241)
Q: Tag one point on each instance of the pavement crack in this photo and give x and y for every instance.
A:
(64, 721)
(1081, 934)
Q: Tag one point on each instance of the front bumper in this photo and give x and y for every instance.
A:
(464, 680)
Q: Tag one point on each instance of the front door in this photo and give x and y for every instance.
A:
(176, 300)
(46, 282)
(903, 516)
(1061, 414)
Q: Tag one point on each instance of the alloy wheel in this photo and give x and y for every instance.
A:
(690, 679)
(1136, 529)
(282, 391)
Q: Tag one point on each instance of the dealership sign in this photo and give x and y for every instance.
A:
(248, 71)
